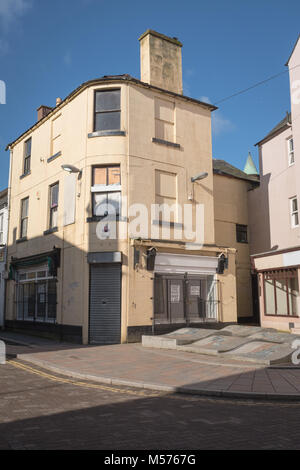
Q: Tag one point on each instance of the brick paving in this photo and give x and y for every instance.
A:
(164, 369)
(38, 413)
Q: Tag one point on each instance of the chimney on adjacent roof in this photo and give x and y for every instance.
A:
(161, 61)
(43, 111)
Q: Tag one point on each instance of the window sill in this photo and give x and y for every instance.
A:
(25, 174)
(99, 218)
(280, 316)
(163, 223)
(50, 159)
(244, 243)
(51, 230)
(22, 240)
(106, 133)
(165, 142)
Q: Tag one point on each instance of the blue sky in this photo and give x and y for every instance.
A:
(48, 48)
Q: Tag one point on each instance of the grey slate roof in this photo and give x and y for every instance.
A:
(278, 128)
(221, 167)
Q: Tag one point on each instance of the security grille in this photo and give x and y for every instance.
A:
(185, 299)
(105, 304)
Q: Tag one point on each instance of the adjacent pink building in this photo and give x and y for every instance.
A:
(274, 215)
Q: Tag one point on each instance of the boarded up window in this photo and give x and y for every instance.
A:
(56, 136)
(164, 120)
(166, 193)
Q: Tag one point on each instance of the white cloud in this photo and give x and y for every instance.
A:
(12, 9)
(220, 124)
(205, 99)
(67, 59)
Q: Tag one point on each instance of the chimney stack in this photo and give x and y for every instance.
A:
(43, 111)
(161, 61)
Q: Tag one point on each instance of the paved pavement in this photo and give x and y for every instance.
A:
(173, 371)
(39, 410)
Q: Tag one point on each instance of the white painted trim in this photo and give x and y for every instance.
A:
(179, 264)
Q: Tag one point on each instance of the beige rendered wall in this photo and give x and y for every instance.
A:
(78, 239)
(138, 157)
(231, 208)
(192, 132)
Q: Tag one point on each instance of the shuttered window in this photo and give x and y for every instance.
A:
(56, 136)
(164, 120)
(166, 195)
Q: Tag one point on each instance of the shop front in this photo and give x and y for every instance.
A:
(278, 288)
(185, 289)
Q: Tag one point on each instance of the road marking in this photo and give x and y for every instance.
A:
(54, 378)
(152, 393)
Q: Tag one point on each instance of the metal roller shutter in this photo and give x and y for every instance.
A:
(105, 304)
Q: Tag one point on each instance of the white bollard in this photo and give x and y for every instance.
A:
(2, 353)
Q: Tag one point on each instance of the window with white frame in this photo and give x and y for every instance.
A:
(24, 217)
(54, 192)
(106, 191)
(36, 295)
(291, 155)
(294, 212)
(1, 229)
(27, 156)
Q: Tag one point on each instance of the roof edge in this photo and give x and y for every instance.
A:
(107, 79)
(160, 36)
(287, 63)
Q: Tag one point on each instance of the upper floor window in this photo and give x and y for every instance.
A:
(166, 196)
(24, 217)
(294, 212)
(1, 229)
(107, 110)
(291, 154)
(54, 192)
(56, 136)
(164, 120)
(106, 191)
(27, 156)
(241, 233)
